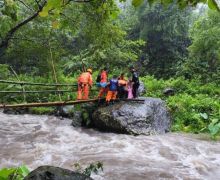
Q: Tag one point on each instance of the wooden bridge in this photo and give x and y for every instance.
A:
(41, 104)
(46, 104)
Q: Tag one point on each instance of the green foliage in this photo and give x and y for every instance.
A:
(4, 71)
(92, 168)
(17, 173)
(214, 128)
(194, 107)
(41, 110)
(165, 29)
(37, 97)
(204, 57)
(213, 5)
(137, 3)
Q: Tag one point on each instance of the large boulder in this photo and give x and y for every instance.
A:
(69, 111)
(55, 173)
(65, 111)
(15, 111)
(149, 116)
(168, 91)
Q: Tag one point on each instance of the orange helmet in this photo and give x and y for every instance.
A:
(89, 70)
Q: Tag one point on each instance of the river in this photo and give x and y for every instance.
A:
(47, 140)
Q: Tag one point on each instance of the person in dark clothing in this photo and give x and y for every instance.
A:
(135, 81)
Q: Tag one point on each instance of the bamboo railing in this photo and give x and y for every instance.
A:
(35, 84)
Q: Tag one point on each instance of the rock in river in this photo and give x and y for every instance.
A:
(147, 117)
(55, 173)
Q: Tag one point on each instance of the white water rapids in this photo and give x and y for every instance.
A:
(46, 140)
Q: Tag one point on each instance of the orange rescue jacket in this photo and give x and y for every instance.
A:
(85, 78)
(104, 77)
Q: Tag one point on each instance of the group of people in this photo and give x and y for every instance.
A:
(116, 87)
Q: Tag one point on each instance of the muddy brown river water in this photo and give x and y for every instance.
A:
(47, 140)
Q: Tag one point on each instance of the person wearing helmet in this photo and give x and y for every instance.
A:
(84, 84)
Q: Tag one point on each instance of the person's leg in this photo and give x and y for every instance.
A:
(101, 92)
(120, 92)
(86, 92)
(109, 96)
(134, 90)
(79, 92)
(137, 93)
(114, 95)
(124, 94)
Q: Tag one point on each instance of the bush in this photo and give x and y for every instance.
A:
(195, 107)
(17, 173)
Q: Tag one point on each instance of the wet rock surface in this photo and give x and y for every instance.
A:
(65, 111)
(147, 117)
(141, 89)
(16, 111)
(168, 91)
(55, 173)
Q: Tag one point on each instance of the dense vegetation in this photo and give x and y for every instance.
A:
(171, 44)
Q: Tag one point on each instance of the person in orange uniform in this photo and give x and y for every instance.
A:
(113, 87)
(84, 85)
(103, 82)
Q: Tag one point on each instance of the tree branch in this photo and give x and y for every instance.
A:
(28, 7)
(78, 1)
(37, 2)
(5, 41)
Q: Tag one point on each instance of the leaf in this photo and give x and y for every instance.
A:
(166, 2)
(137, 3)
(24, 171)
(214, 130)
(43, 13)
(150, 2)
(114, 14)
(204, 116)
(55, 24)
(213, 5)
(214, 121)
(4, 173)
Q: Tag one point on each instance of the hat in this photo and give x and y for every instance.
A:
(89, 70)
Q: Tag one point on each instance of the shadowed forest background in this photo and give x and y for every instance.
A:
(171, 45)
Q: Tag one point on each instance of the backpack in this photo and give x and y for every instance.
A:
(98, 79)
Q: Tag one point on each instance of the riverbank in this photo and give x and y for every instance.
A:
(47, 140)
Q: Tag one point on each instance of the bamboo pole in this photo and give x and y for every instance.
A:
(54, 71)
(35, 84)
(60, 103)
(48, 104)
(44, 91)
(22, 87)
